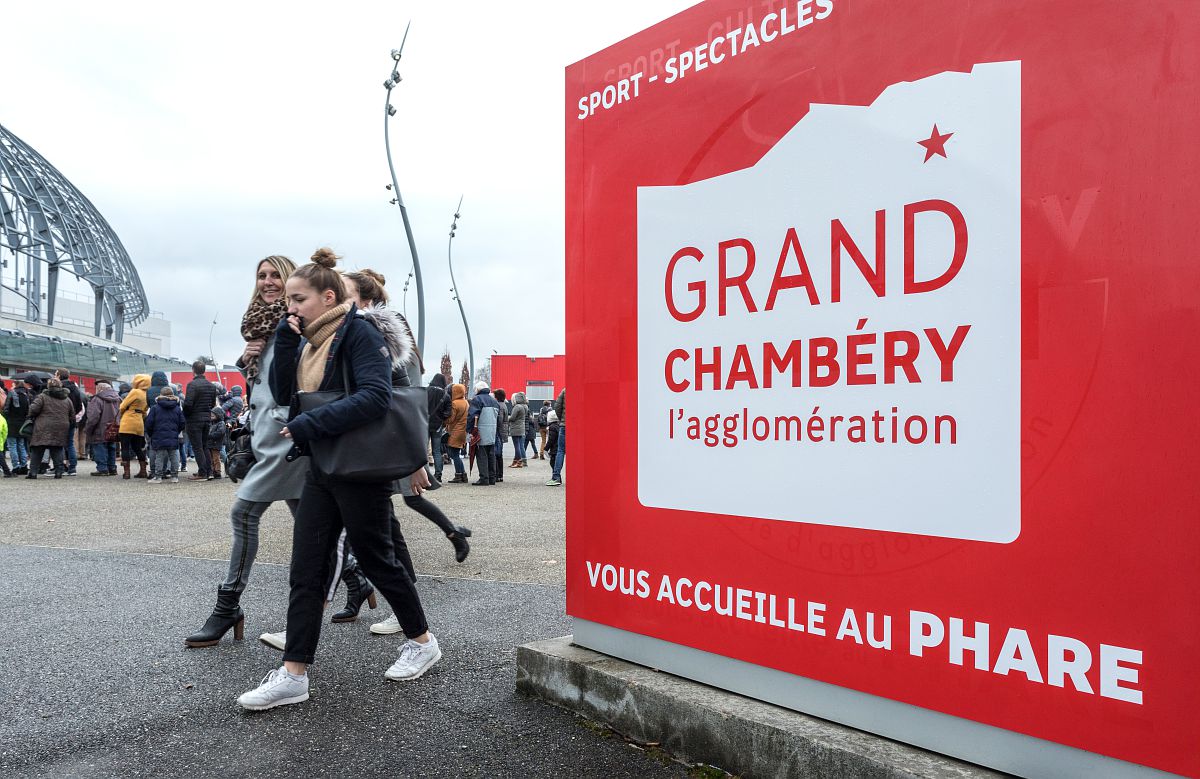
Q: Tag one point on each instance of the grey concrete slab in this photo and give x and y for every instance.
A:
(97, 683)
(705, 724)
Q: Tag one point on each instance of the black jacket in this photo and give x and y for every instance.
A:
(16, 408)
(73, 392)
(439, 402)
(362, 348)
(200, 398)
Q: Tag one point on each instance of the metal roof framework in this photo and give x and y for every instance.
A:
(50, 225)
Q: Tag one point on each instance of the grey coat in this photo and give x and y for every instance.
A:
(518, 416)
(272, 477)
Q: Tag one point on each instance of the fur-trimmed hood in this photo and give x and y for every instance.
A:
(395, 332)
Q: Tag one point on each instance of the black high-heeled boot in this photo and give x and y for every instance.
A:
(459, 539)
(358, 589)
(226, 614)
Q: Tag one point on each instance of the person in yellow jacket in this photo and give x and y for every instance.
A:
(133, 426)
(3, 443)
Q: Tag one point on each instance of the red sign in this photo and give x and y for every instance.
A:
(882, 329)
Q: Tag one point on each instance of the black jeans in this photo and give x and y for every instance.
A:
(132, 446)
(197, 433)
(364, 510)
(398, 543)
(344, 556)
(35, 458)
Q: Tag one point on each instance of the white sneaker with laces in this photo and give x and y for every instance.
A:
(415, 659)
(387, 627)
(277, 640)
(278, 688)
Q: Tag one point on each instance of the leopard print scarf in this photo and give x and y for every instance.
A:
(260, 321)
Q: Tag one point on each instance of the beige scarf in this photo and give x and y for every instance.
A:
(319, 333)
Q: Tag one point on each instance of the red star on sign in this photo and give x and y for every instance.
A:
(935, 144)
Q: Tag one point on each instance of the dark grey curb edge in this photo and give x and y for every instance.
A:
(702, 724)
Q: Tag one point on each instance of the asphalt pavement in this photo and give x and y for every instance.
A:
(107, 576)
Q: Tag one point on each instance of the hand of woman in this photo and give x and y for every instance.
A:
(285, 433)
(253, 349)
(419, 482)
(293, 322)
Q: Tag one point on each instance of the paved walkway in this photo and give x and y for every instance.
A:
(107, 576)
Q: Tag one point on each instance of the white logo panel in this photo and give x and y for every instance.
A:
(880, 390)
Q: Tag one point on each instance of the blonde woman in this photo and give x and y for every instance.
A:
(272, 478)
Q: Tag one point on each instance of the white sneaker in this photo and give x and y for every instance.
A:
(387, 627)
(278, 688)
(277, 640)
(174, 479)
(415, 659)
(155, 480)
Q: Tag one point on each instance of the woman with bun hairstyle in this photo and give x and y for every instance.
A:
(365, 289)
(272, 478)
(345, 568)
(337, 334)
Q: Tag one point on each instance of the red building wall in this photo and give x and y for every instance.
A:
(515, 373)
(227, 379)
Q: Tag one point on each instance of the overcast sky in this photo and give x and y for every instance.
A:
(212, 135)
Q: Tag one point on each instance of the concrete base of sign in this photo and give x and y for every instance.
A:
(703, 724)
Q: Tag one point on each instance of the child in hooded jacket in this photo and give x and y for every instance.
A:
(164, 425)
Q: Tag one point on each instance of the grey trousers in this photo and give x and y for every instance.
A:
(244, 518)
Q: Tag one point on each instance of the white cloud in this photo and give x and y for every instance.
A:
(210, 136)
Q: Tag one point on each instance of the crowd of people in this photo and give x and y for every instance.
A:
(310, 329)
(483, 425)
(161, 427)
(48, 425)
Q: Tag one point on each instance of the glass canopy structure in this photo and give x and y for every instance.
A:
(47, 226)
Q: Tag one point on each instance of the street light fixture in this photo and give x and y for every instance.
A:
(389, 111)
(212, 355)
(454, 285)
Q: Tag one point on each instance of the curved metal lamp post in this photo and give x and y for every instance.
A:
(389, 111)
(454, 289)
(211, 354)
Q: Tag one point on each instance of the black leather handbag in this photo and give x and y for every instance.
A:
(386, 450)
(241, 456)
